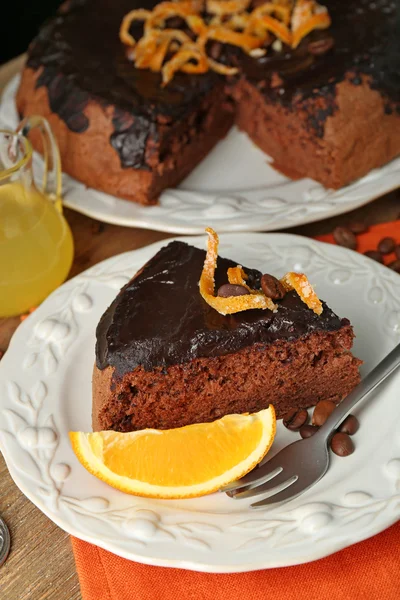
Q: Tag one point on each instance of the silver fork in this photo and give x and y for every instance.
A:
(300, 465)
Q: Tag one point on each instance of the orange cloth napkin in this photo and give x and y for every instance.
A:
(370, 239)
(366, 571)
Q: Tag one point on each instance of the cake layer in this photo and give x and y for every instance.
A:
(128, 156)
(357, 135)
(287, 374)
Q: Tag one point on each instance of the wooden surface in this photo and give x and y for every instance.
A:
(41, 565)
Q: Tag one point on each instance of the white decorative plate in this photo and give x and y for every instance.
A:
(45, 391)
(233, 189)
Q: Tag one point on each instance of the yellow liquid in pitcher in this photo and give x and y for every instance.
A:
(36, 248)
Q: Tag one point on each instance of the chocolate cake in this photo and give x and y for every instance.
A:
(118, 131)
(328, 109)
(165, 358)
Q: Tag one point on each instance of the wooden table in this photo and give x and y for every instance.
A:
(41, 564)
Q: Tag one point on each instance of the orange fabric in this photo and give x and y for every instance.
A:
(366, 571)
(370, 239)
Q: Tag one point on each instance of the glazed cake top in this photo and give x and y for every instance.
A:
(160, 319)
(80, 57)
(366, 41)
(82, 43)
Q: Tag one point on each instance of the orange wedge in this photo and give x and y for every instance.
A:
(178, 463)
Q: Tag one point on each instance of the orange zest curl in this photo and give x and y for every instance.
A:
(281, 11)
(236, 275)
(232, 304)
(181, 62)
(300, 283)
(164, 11)
(276, 27)
(307, 15)
(166, 50)
(134, 15)
(236, 38)
(220, 68)
(226, 7)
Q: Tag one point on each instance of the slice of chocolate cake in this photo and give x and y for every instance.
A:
(165, 358)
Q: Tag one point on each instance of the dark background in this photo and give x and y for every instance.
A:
(19, 23)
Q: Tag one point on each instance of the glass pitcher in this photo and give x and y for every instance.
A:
(36, 245)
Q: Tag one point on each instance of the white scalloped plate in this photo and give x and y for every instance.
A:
(233, 189)
(45, 391)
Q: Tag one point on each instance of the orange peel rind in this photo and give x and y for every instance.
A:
(181, 62)
(236, 275)
(225, 21)
(226, 7)
(300, 283)
(232, 304)
(139, 14)
(236, 38)
(307, 15)
(282, 11)
(220, 68)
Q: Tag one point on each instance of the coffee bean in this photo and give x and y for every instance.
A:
(342, 444)
(350, 425)
(230, 289)
(322, 411)
(272, 287)
(214, 49)
(374, 255)
(358, 227)
(397, 251)
(319, 47)
(308, 430)
(295, 418)
(344, 237)
(386, 245)
(395, 265)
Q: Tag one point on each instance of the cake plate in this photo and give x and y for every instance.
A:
(233, 189)
(45, 391)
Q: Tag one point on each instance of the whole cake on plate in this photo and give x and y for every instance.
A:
(137, 99)
(171, 352)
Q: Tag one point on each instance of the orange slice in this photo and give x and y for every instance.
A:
(178, 463)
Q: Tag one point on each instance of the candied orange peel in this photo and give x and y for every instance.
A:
(232, 304)
(139, 14)
(226, 7)
(182, 62)
(307, 15)
(300, 283)
(166, 49)
(236, 275)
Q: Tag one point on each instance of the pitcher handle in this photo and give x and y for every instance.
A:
(51, 183)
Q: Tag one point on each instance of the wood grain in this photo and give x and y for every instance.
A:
(41, 565)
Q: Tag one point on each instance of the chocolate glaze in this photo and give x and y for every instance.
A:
(366, 39)
(159, 318)
(81, 57)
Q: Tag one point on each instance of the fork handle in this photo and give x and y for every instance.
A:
(367, 385)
